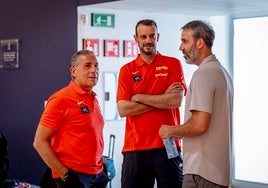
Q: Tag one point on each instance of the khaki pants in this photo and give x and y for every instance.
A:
(196, 181)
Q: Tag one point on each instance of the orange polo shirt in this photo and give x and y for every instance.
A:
(75, 116)
(138, 77)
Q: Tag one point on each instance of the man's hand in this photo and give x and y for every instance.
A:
(165, 131)
(72, 180)
(176, 87)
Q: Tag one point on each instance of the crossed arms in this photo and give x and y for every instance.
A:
(141, 103)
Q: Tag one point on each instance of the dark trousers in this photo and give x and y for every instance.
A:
(87, 181)
(142, 168)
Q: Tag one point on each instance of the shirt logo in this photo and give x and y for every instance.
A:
(137, 78)
(161, 74)
(161, 68)
(80, 102)
(84, 110)
(135, 72)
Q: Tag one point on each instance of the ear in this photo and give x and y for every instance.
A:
(158, 35)
(135, 38)
(200, 43)
(72, 71)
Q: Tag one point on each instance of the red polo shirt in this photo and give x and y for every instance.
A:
(75, 116)
(138, 77)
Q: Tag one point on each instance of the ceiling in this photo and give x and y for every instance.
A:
(190, 7)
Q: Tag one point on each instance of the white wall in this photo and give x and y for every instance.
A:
(222, 44)
(169, 28)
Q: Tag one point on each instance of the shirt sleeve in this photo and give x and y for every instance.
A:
(53, 113)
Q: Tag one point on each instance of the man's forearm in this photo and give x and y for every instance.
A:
(47, 154)
(130, 108)
(162, 101)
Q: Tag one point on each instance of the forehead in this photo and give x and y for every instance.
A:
(145, 29)
(187, 34)
(87, 58)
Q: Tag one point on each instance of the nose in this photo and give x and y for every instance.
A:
(181, 47)
(149, 40)
(94, 70)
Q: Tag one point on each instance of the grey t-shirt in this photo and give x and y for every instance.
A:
(208, 155)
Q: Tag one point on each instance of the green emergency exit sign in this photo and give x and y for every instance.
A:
(102, 20)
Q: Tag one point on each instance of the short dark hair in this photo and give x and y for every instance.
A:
(145, 22)
(201, 29)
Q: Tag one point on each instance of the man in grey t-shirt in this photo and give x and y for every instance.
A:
(208, 112)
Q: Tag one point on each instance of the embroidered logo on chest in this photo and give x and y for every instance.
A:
(137, 78)
(84, 110)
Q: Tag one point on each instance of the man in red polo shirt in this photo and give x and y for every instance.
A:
(69, 137)
(150, 91)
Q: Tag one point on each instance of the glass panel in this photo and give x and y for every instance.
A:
(251, 101)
